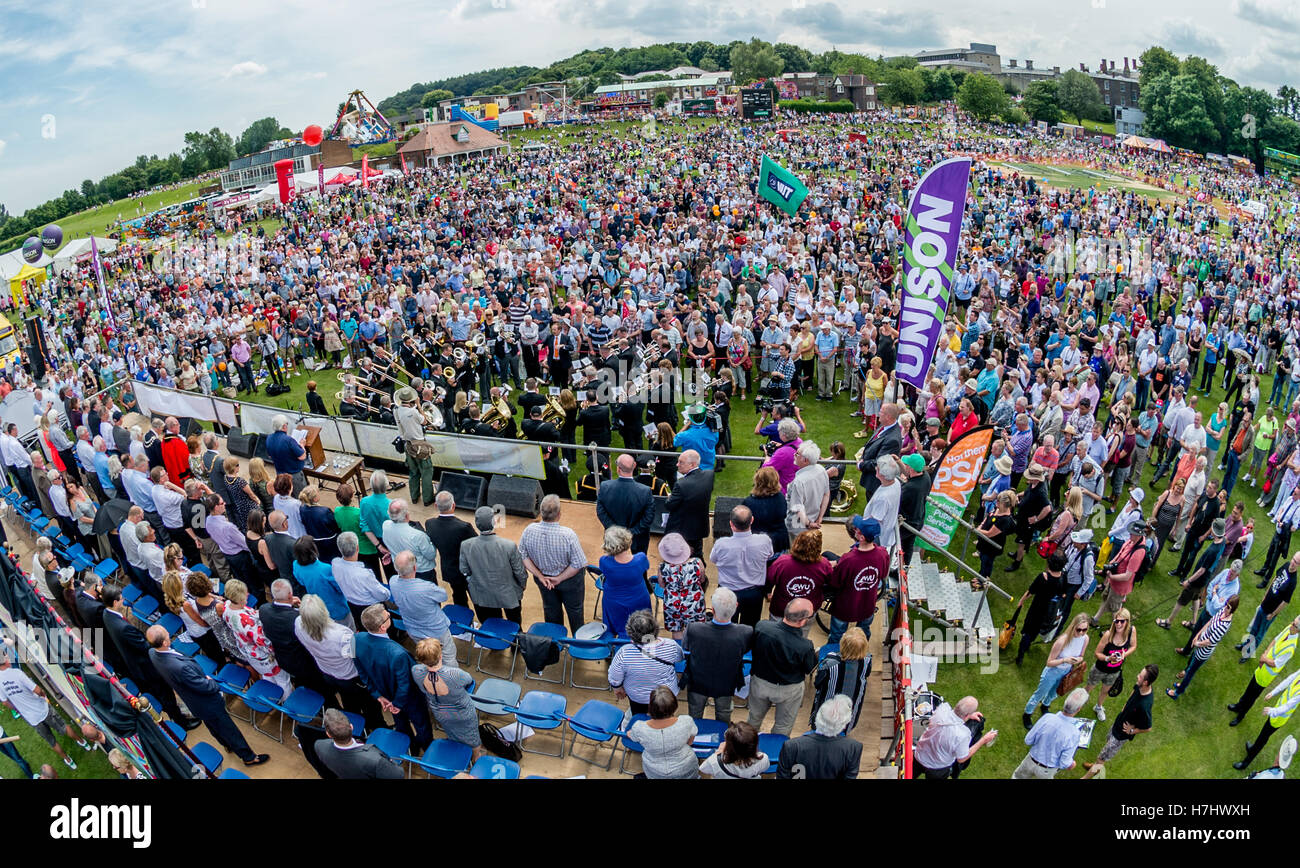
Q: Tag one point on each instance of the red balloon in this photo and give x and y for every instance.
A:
(312, 135)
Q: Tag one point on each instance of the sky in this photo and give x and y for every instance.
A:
(85, 88)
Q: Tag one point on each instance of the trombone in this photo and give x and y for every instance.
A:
(391, 359)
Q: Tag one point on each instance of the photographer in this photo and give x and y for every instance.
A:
(778, 410)
(781, 384)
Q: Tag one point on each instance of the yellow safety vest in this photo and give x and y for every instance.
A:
(1282, 649)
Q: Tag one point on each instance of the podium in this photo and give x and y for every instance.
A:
(315, 451)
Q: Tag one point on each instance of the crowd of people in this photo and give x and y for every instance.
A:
(603, 280)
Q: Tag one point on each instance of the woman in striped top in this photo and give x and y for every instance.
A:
(648, 662)
(1204, 644)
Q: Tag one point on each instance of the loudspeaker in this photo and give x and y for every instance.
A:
(722, 507)
(37, 348)
(661, 514)
(240, 444)
(470, 491)
(519, 495)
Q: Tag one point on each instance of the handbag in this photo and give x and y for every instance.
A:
(1072, 679)
(1008, 629)
(1118, 687)
(1047, 548)
(496, 743)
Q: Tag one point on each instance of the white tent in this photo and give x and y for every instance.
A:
(12, 262)
(66, 259)
(307, 182)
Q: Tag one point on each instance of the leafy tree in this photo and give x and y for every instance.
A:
(435, 96)
(1210, 84)
(795, 59)
(1039, 102)
(1247, 111)
(1288, 101)
(1077, 94)
(1010, 88)
(939, 85)
(1014, 114)
(982, 96)
(904, 86)
(661, 99)
(1156, 61)
(259, 134)
(1282, 133)
(754, 60)
(958, 77)
(1175, 111)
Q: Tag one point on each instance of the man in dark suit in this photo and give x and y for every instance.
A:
(90, 609)
(822, 754)
(200, 694)
(556, 482)
(630, 417)
(134, 650)
(627, 503)
(559, 355)
(278, 616)
(348, 758)
(688, 505)
(595, 421)
(531, 397)
(447, 533)
(887, 440)
(715, 667)
(385, 667)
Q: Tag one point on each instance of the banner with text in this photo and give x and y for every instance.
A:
(931, 235)
(958, 474)
(780, 187)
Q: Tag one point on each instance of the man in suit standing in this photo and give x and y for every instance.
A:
(134, 650)
(278, 615)
(200, 695)
(822, 755)
(348, 758)
(688, 505)
(90, 609)
(595, 421)
(887, 440)
(630, 417)
(385, 667)
(627, 503)
(448, 533)
(556, 481)
(715, 667)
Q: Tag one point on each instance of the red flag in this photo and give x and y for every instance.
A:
(365, 171)
(404, 171)
(858, 137)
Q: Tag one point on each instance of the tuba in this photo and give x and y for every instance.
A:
(553, 412)
(433, 417)
(478, 343)
(497, 415)
(845, 495)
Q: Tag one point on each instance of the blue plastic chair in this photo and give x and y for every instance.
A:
(260, 698)
(390, 743)
(542, 711)
(630, 746)
(495, 634)
(171, 623)
(189, 649)
(770, 744)
(496, 696)
(209, 756)
(358, 723)
(106, 568)
(301, 706)
(590, 650)
(492, 768)
(207, 664)
(178, 732)
(554, 632)
(598, 579)
(201, 568)
(597, 722)
(129, 686)
(444, 758)
(462, 619)
(708, 736)
(146, 609)
(130, 594)
(234, 675)
(233, 775)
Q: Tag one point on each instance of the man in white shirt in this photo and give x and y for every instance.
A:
(809, 493)
(18, 462)
(883, 505)
(741, 560)
(354, 578)
(150, 553)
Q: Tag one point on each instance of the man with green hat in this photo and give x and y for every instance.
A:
(419, 452)
(698, 435)
(911, 500)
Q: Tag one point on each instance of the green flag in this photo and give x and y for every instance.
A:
(780, 187)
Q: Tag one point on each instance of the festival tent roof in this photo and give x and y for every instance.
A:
(306, 182)
(74, 250)
(12, 262)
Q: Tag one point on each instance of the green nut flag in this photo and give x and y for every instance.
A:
(780, 187)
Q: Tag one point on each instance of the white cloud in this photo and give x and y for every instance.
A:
(2, 147)
(246, 69)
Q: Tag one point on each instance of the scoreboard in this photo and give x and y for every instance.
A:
(756, 103)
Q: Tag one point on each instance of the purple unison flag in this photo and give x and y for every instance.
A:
(99, 279)
(930, 240)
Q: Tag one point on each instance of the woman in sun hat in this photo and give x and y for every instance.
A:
(1000, 483)
(682, 578)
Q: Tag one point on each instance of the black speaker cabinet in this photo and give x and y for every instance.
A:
(37, 348)
(470, 491)
(240, 444)
(661, 514)
(518, 494)
(722, 507)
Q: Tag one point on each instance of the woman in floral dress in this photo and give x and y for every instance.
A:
(246, 624)
(682, 578)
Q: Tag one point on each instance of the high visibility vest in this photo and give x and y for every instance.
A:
(1292, 691)
(1282, 649)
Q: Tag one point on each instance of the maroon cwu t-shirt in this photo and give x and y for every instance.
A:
(855, 582)
(788, 578)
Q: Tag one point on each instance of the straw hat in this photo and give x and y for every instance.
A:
(1003, 465)
(674, 549)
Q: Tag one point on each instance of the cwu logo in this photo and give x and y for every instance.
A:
(782, 189)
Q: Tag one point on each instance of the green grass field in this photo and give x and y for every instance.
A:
(33, 749)
(1081, 178)
(99, 221)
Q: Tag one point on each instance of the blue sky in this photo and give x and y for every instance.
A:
(126, 79)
